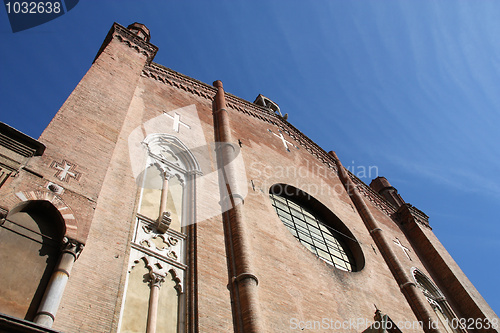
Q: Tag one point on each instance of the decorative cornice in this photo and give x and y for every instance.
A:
(201, 89)
(307, 144)
(132, 40)
(179, 81)
(19, 142)
(420, 216)
(408, 214)
(375, 198)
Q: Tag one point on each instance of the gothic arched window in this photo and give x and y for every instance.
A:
(448, 320)
(158, 266)
(316, 227)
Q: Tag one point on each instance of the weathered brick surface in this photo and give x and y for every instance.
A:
(91, 130)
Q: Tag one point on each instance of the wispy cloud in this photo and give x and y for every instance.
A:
(456, 178)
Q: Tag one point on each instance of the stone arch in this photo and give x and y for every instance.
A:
(179, 149)
(177, 280)
(423, 281)
(438, 302)
(65, 211)
(30, 245)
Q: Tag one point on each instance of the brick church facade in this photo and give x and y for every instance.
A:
(154, 202)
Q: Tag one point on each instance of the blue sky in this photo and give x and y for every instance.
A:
(411, 87)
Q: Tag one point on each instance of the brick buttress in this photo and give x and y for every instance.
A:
(407, 286)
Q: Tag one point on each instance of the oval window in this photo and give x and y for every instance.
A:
(316, 227)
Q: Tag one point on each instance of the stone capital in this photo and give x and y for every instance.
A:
(72, 246)
(155, 279)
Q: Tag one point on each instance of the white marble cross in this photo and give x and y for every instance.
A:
(66, 170)
(285, 142)
(404, 248)
(177, 122)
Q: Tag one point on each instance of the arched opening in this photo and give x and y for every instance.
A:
(30, 241)
(447, 318)
(167, 193)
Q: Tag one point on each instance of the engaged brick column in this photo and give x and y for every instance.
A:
(243, 283)
(406, 285)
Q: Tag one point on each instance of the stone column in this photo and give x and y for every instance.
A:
(155, 281)
(164, 219)
(164, 193)
(50, 302)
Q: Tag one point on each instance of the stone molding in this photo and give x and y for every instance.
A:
(201, 89)
(408, 214)
(19, 142)
(420, 216)
(64, 209)
(16, 146)
(15, 325)
(376, 199)
(179, 81)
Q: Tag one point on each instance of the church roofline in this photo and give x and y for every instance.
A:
(202, 89)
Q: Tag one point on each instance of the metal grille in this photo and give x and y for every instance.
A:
(320, 239)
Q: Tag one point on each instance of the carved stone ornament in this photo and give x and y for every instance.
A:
(155, 279)
(164, 222)
(163, 244)
(65, 170)
(72, 246)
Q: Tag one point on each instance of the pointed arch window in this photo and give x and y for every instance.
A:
(448, 320)
(155, 297)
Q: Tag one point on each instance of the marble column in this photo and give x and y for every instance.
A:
(164, 219)
(53, 294)
(155, 281)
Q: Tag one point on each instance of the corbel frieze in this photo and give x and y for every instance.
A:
(375, 198)
(195, 87)
(126, 36)
(408, 214)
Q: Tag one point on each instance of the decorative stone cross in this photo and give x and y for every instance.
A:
(404, 248)
(66, 170)
(285, 142)
(177, 122)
